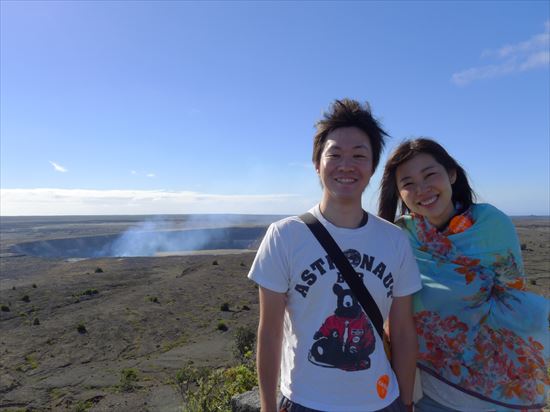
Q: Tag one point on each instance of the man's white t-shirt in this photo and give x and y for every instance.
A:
(333, 359)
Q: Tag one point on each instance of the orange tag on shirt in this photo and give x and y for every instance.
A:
(382, 386)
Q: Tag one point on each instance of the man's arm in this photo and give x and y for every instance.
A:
(404, 345)
(270, 337)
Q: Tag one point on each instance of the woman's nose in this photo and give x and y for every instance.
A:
(421, 187)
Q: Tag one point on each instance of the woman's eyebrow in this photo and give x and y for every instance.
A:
(421, 171)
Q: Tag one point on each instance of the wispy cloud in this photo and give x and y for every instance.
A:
(304, 165)
(512, 58)
(136, 173)
(58, 168)
(47, 202)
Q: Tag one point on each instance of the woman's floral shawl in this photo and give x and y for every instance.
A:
(478, 329)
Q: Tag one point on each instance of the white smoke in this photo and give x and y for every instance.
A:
(191, 233)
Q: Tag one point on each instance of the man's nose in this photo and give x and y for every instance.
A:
(346, 163)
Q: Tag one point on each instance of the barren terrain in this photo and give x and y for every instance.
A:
(154, 314)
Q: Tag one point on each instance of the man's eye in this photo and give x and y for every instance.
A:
(360, 156)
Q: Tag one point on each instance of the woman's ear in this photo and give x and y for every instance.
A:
(452, 176)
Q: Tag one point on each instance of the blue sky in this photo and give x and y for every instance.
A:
(208, 107)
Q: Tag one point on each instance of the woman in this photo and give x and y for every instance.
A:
(483, 340)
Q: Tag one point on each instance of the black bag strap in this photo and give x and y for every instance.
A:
(350, 275)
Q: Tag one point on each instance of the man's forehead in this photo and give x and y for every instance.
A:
(334, 144)
(348, 136)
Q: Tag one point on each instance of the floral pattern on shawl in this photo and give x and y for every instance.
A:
(478, 329)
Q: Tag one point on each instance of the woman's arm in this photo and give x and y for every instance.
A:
(404, 345)
(270, 337)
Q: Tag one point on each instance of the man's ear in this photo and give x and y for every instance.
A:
(316, 166)
(452, 176)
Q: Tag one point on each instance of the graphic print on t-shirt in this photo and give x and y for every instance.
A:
(346, 339)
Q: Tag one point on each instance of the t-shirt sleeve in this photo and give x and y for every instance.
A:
(408, 280)
(270, 268)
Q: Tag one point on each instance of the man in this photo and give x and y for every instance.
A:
(311, 326)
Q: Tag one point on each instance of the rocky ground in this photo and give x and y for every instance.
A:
(72, 328)
(151, 314)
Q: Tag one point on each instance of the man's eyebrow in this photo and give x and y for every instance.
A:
(359, 146)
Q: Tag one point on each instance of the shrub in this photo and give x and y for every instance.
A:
(523, 246)
(242, 264)
(31, 361)
(5, 308)
(26, 298)
(533, 282)
(153, 299)
(36, 321)
(222, 326)
(128, 379)
(240, 379)
(215, 263)
(83, 406)
(184, 379)
(215, 390)
(34, 285)
(245, 307)
(98, 270)
(244, 341)
(81, 328)
(224, 307)
(187, 376)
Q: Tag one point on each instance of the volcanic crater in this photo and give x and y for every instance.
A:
(135, 243)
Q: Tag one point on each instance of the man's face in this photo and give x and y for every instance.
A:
(345, 167)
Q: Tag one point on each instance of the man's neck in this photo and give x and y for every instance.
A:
(346, 215)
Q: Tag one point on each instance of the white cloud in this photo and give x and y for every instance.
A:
(48, 202)
(133, 172)
(512, 58)
(151, 175)
(304, 165)
(58, 168)
(477, 73)
(540, 59)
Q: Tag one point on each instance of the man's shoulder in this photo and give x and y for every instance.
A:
(286, 226)
(286, 222)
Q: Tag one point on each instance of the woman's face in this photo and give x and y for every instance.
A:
(425, 187)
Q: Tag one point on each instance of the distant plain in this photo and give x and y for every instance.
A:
(155, 314)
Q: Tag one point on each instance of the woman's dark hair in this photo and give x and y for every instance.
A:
(389, 195)
(349, 113)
